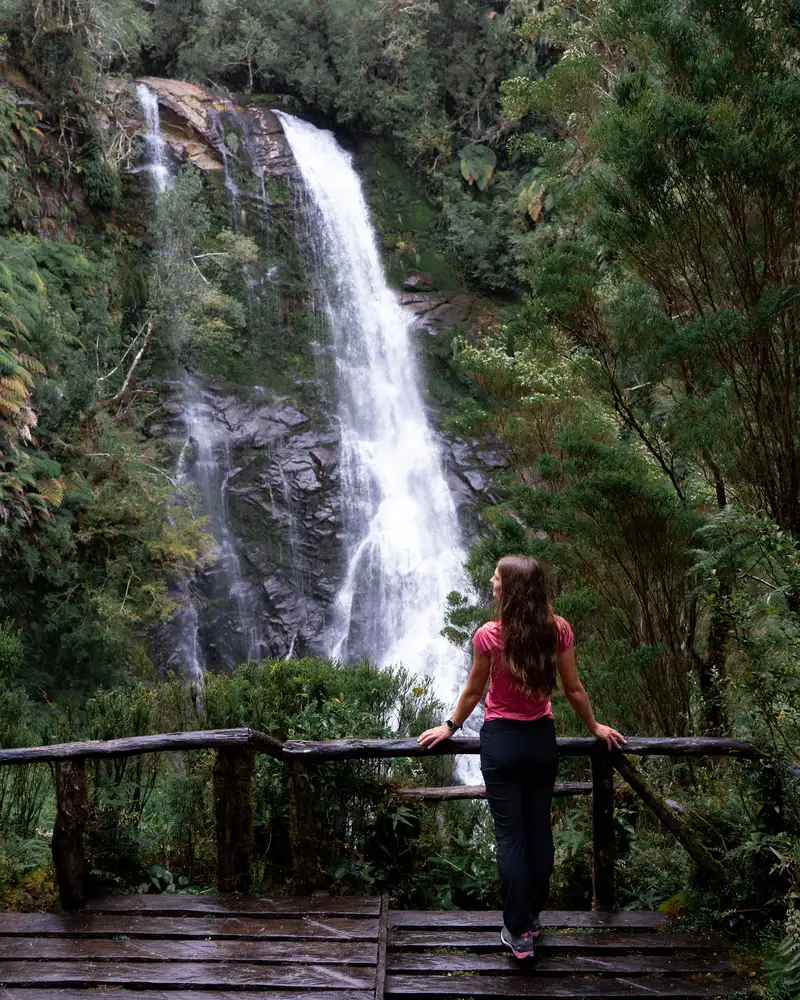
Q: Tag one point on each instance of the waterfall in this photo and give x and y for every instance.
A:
(157, 153)
(403, 540)
(217, 603)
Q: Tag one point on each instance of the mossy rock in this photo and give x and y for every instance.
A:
(407, 223)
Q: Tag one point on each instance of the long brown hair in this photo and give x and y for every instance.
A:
(530, 634)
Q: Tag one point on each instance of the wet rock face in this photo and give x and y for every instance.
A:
(470, 468)
(284, 514)
(441, 311)
(419, 281)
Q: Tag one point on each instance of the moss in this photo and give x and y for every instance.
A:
(407, 223)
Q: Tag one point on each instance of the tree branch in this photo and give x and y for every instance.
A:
(106, 403)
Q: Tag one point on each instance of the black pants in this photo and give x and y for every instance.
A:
(519, 761)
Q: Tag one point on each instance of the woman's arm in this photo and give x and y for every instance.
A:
(579, 699)
(470, 696)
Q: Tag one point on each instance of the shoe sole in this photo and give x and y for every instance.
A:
(519, 955)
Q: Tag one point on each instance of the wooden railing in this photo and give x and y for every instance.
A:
(233, 798)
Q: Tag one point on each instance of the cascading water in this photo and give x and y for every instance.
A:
(404, 546)
(204, 466)
(157, 152)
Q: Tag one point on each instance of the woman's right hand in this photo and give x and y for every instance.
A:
(433, 736)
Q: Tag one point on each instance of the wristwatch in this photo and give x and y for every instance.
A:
(451, 725)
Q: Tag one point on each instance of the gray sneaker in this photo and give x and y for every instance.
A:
(521, 946)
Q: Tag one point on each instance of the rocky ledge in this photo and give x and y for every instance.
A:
(439, 312)
(195, 121)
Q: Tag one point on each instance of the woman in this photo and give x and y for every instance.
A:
(522, 654)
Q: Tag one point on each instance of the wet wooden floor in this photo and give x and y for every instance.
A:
(342, 948)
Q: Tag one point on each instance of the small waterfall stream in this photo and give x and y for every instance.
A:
(157, 153)
(403, 538)
(217, 604)
(205, 464)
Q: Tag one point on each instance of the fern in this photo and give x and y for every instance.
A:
(22, 302)
(785, 964)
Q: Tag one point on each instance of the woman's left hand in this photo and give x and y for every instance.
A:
(614, 740)
(433, 736)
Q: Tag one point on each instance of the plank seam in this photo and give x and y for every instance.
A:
(383, 943)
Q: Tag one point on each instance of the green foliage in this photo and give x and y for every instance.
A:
(11, 651)
(477, 164)
(65, 41)
(644, 398)
(425, 76)
(101, 184)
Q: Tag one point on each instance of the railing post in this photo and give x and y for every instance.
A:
(233, 809)
(72, 813)
(602, 829)
(302, 829)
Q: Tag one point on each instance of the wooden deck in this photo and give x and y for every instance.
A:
(335, 948)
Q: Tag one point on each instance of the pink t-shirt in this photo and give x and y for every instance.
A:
(505, 700)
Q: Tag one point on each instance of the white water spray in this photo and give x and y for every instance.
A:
(157, 151)
(403, 538)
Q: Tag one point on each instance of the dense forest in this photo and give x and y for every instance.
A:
(620, 182)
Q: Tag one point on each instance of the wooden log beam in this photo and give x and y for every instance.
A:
(72, 813)
(570, 746)
(131, 746)
(310, 750)
(603, 896)
(233, 808)
(448, 793)
(668, 817)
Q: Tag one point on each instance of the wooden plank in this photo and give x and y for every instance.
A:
(616, 965)
(568, 746)
(356, 906)
(330, 952)
(316, 928)
(383, 940)
(493, 919)
(640, 941)
(449, 792)
(517, 987)
(78, 994)
(131, 746)
(194, 975)
(603, 832)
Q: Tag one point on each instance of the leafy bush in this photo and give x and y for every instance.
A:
(101, 184)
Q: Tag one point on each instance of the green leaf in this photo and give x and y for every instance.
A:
(477, 164)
